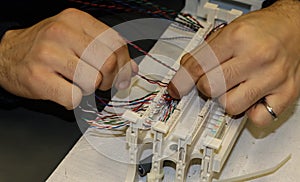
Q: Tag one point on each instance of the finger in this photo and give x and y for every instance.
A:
(259, 114)
(134, 67)
(86, 77)
(181, 83)
(67, 36)
(214, 32)
(97, 53)
(118, 45)
(84, 21)
(109, 54)
(124, 68)
(123, 77)
(119, 62)
(72, 68)
(224, 77)
(90, 25)
(278, 101)
(83, 45)
(193, 66)
(111, 39)
(121, 65)
(59, 90)
(201, 60)
(240, 98)
(104, 34)
(109, 72)
(219, 45)
(109, 62)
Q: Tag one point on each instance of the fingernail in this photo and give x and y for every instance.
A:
(124, 84)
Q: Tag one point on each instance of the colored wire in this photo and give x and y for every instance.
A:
(147, 54)
(181, 27)
(158, 82)
(129, 6)
(125, 101)
(110, 120)
(218, 27)
(176, 37)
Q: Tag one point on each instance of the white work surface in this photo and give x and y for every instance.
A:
(256, 149)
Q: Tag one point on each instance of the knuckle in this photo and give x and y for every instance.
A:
(90, 51)
(51, 92)
(241, 29)
(282, 77)
(281, 70)
(258, 121)
(121, 40)
(111, 62)
(43, 53)
(34, 81)
(34, 75)
(231, 72)
(266, 53)
(55, 29)
(185, 59)
(71, 67)
(118, 47)
(232, 107)
(123, 50)
(252, 95)
(194, 69)
(71, 12)
(205, 88)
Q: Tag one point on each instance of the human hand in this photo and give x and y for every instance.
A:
(258, 56)
(62, 58)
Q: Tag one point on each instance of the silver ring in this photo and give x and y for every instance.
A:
(269, 109)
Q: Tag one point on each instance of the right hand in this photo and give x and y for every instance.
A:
(255, 57)
(55, 60)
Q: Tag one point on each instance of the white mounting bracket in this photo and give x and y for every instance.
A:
(211, 11)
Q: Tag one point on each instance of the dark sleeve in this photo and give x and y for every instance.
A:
(8, 100)
(267, 3)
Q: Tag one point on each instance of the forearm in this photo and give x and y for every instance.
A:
(7, 100)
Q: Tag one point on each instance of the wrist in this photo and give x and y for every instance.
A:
(5, 26)
(6, 59)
